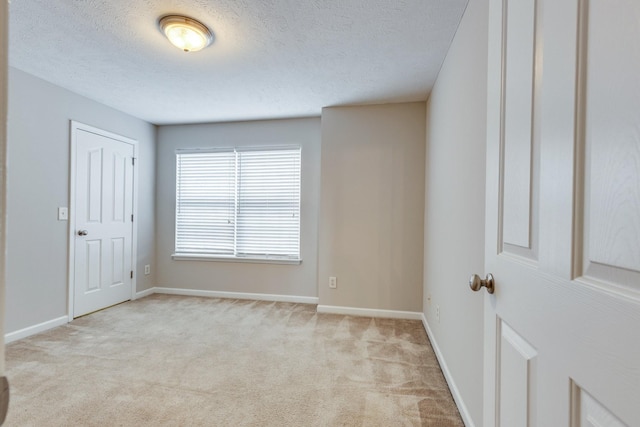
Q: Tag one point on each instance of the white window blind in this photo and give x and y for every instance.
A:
(205, 205)
(242, 203)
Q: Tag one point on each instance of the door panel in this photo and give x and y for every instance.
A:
(590, 413)
(562, 330)
(516, 371)
(103, 209)
(119, 188)
(93, 191)
(518, 97)
(611, 97)
(92, 265)
(519, 164)
(118, 264)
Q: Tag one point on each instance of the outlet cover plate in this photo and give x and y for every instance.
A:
(63, 214)
(333, 282)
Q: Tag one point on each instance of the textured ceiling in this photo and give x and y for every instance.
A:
(269, 59)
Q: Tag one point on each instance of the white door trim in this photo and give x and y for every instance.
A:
(4, 72)
(74, 128)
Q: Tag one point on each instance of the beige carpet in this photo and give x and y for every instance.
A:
(187, 361)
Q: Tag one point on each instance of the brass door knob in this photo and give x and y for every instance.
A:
(476, 283)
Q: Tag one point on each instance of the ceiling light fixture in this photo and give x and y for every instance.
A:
(185, 33)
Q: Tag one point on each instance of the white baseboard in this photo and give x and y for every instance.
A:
(36, 329)
(464, 412)
(369, 312)
(145, 293)
(233, 295)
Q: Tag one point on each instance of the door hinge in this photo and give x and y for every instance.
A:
(132, 274)
(131, 217)
(133, 161)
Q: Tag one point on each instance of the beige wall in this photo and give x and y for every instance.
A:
(38, 183)
(454, 206)
(290, 280)
(372, 204)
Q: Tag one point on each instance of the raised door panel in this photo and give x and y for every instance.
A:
(118, 262)
(516, 376)
(93, 265)
(588, 412)
(93, 186)
(119, 206)
(519, 149)
(610, 97)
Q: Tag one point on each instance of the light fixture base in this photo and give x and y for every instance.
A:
(187, 34)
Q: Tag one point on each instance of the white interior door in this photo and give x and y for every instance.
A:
(562, 330)
(103, 220)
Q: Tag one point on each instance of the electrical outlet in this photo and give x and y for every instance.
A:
(147, 269)
(438, 313)
(333, 282)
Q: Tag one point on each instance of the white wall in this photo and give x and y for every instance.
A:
(291, 280)
(454, 205)
(372, 205)
(38, 183)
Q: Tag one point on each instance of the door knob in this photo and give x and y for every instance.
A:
(82, 232)
(475, 283)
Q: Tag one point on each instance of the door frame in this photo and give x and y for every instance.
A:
(74, 127)
(4, 85)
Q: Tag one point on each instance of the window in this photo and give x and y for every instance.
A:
(238, 204)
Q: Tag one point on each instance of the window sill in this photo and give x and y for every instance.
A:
(222, 258)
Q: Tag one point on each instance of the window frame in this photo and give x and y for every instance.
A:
(260, 259)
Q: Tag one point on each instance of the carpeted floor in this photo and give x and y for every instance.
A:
(187, 361)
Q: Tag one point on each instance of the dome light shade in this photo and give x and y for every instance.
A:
(185, 33)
